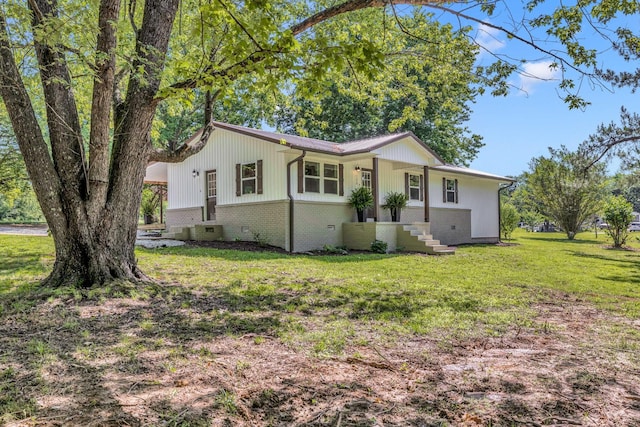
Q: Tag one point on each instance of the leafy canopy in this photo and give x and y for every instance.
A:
(428, 82)
(567, 191)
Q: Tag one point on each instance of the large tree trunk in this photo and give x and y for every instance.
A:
(91, 204)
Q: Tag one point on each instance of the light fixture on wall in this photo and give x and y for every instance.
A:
(357, 168)
(195, 173)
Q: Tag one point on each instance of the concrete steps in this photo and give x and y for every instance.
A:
(417, 237)
(177, 233)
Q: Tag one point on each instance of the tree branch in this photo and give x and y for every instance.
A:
(33, 147)
(62, 114)
(239, 24)
(188, 149)
(510, 34)
(103, 85)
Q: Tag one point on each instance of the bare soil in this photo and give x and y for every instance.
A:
(97, 363)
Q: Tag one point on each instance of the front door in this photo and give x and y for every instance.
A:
(212, 193)
(366, 179)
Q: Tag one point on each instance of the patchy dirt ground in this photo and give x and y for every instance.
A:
(155, 362)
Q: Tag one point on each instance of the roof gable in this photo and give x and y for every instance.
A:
(340, 149)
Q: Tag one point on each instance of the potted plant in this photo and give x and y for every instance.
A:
(395, 202)
(148, 209)
(149, 204)
(360, 199)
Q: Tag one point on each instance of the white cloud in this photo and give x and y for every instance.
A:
(489, 39)
(534, 73)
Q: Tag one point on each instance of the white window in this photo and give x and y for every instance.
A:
(414, 187)
(449, 190)
(211, 184)
(330, 178)
(366, 179)
(249, 178)
(312, 177)
(321, 178)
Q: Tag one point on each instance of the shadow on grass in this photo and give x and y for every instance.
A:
(252, 256)
(577, 241)
(86, 355)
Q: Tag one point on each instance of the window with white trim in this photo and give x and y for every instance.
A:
(449, 190)
(330, 176)
(322, 178)
(212, 190)
(312, 177)
(249, 178)
(414, 187)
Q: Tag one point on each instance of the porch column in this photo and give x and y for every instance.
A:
(374, 178)
(426, 194)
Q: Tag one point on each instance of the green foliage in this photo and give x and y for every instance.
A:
(570, 24)
(618, 216)
(509, 219)
(429, 96)
(379, 247)
(567, 190)
(17, 199)
(531, 219)
(151, 198)
(620, 140)
(261, 239)
(395, 200)
(336, 250)
(360, 198)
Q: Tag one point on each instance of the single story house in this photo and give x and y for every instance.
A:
(292, 192)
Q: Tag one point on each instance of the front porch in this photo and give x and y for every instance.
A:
(414, 237)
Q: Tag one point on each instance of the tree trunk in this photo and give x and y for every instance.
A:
(92, 215)
(85, 263)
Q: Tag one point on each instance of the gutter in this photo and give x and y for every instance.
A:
(290, 196)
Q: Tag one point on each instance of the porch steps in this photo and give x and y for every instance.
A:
(417, 237)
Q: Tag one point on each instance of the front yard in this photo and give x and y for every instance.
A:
(543, 331)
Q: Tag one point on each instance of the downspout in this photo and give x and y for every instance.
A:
(502, 187)
(290, 196)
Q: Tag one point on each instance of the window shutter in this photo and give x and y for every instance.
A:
(456, 187)
(421, 188)
(259, 173)
(444, 190)
(341, 180)
(238, 180)
(406, 184)
(300, 176)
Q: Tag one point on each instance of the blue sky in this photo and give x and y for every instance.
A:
(525, 123)
(519, 127)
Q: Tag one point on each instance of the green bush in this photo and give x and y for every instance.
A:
(618, 215)
(379, 247)
(509, 219)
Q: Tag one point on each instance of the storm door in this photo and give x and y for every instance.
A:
(212, 193)
(366, 179)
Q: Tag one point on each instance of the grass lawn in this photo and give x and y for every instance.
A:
(541, 331)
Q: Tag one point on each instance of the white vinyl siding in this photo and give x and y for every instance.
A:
(224, 150)
(477, 194)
